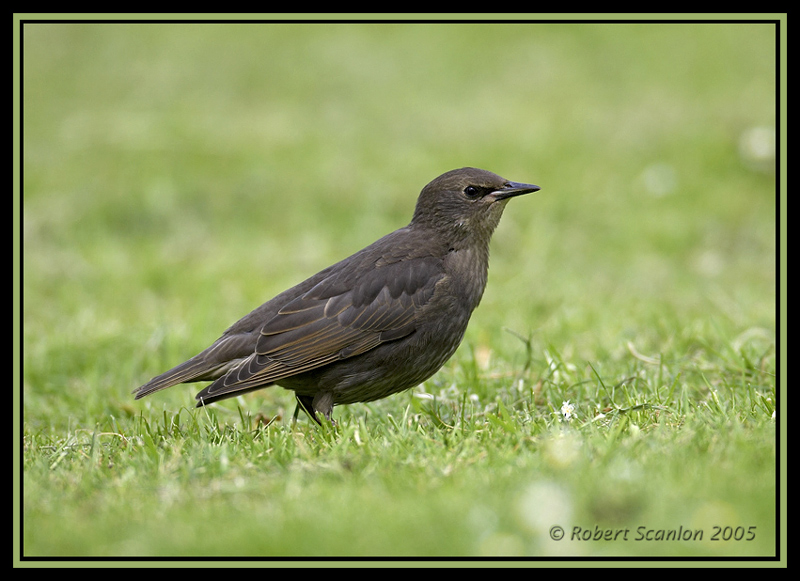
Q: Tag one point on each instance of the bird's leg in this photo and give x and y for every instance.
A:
(306, 403)
(323, 404)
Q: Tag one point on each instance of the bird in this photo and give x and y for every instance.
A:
(374, 324)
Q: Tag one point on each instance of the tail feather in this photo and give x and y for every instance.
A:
(225, 354)
(205, 398)
(195, 369)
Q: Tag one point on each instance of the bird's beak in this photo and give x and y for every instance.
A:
(511, 189)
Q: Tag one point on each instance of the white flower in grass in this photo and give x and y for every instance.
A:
(567, 410)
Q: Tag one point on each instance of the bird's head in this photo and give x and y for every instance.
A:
(466, 202)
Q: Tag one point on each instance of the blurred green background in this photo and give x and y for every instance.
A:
(178, 175)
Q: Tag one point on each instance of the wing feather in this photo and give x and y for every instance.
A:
(344, 315)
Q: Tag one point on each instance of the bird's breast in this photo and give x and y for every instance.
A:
(466, 273)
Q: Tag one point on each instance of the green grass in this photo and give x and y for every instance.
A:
(176, 176)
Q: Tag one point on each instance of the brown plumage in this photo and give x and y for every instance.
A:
(379, 322)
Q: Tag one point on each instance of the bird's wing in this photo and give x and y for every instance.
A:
(348, 313)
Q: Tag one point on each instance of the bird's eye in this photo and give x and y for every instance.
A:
(472, 192)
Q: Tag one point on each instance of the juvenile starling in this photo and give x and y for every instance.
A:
(377, 323)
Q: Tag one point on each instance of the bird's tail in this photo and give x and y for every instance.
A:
(212, 363)
(195, 369)
(204, 397)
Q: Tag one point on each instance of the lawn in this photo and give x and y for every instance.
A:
(619, 379)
